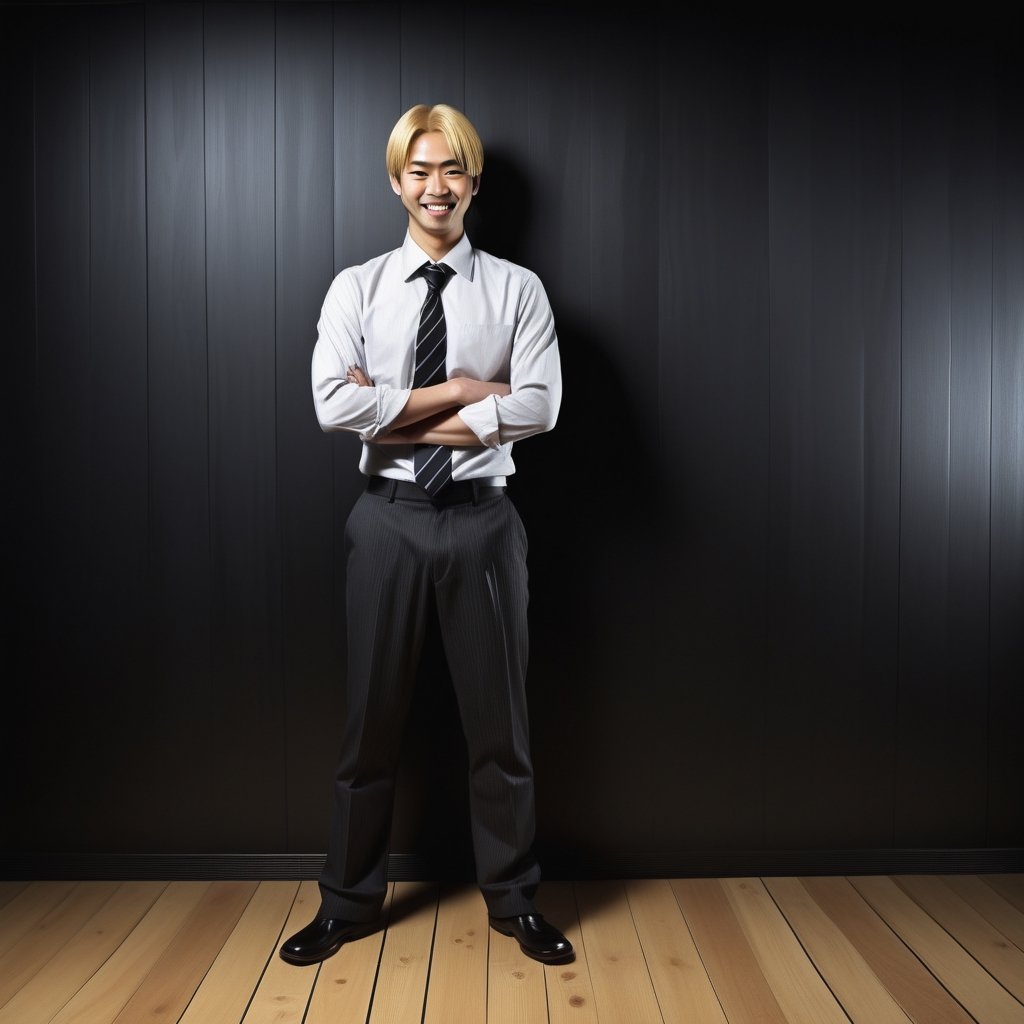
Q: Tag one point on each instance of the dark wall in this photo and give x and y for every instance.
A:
(777, 536)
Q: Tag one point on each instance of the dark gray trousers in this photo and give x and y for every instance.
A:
(470, 559)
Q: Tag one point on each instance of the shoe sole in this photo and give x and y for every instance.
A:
(558, 958)
(295, 961)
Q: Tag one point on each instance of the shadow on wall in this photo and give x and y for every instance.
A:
(589, 494)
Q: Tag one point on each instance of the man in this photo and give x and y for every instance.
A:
(440, 356)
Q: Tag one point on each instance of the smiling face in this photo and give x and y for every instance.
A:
(437, 191)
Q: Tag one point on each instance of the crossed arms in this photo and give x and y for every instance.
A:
(459, 412)
(430, 416)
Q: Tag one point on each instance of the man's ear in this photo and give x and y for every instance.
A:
(395, 186)
(476, 183)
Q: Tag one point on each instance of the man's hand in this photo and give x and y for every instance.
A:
(355, 375)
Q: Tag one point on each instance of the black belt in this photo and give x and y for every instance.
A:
(458, 492)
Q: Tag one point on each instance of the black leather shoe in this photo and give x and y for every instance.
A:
(536, 938)
(322, 938)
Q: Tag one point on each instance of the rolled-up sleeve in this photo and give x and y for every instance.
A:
(535, 376)
(339, 404)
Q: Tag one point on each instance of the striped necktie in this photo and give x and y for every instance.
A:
(432, 462)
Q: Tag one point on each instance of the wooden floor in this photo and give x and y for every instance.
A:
(875, 949)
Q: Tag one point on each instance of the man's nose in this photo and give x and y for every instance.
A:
(438, 185)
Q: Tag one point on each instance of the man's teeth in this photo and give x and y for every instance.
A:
(438, 206)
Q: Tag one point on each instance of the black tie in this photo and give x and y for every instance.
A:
(432, 462)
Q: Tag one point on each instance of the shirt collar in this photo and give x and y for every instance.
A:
(459, 257)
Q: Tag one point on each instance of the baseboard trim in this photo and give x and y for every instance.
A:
(411, 867)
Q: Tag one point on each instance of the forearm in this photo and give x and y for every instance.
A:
(501, 420)
(445, 428)
(432, 410)
(424, 403)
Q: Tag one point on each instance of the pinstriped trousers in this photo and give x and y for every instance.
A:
(471, 560)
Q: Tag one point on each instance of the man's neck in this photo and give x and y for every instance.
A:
(435, 246)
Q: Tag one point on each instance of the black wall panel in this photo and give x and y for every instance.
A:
(776, 538)
(946, 331)
(432, 55)
(181, 588)
(17, 423)
(116, 516)
(65, 685)
(305, 498)
(834, 173)
(709, 592)
(1006, 553)
(247, 780)
(611, 364)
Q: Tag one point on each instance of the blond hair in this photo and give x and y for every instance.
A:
(456, 128)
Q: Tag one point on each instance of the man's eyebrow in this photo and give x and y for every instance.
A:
(443, 163)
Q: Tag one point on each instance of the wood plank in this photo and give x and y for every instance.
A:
(829, 917)
(618, 970)
(405, 961)
(231, 981)
(344, 985)
(1010, 887)
(66, 972)
(38, 945)
(10, 889)
(458, 965)
(922, 998)
(516, 992)
(742, 989)
(979, 993)
(172, 982)
(101, 998)
(28, 908)
(284, 990)
(570, 992)
(861, 994)
(682, 985)
(799, 989)
(991, 905)
(1003, 960)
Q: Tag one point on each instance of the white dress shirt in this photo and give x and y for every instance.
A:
(500, 328)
